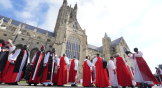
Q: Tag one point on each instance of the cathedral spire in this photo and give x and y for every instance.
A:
(75, 7)
(105, 35)
(65, 2)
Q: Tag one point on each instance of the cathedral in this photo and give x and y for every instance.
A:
(68, 37)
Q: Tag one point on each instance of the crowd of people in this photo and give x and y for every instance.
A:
(48, 69)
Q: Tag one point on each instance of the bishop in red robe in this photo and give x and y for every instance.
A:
(4, 54)
(73, 71)
(87, 67)
(47, 74)
(56, 71)
(16, 70)
(64, 61)
(142, 72)
(37, 65)
(123, 75)
(101, 73)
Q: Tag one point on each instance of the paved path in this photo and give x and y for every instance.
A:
(22, 85)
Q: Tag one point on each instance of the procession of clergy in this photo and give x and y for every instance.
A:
(47, 68)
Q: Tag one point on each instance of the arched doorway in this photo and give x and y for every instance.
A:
(32, 53)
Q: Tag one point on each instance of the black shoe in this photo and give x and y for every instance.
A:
(43, 84)
(73, 85)
(35, 84)
(0, 82)
(15, 83)
(10, 83)
(149, 86)
(49, 85)
(54, 84)
(29, 84)
(145, 85)
(60, 85)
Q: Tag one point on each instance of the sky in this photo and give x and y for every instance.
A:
(138, 21)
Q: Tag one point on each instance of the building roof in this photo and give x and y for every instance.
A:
(113, 43)
(27, 26)
(95, 47)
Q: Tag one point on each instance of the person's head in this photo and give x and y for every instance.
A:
(117, 55)
(111, 58)
(98, 54)
(8, 42)
(53, 50)
(60, 56)
(25, 47)
(156, 68)
(135, 49)
(64, 55)
(74, 56)
(42, 48)
(87, 57)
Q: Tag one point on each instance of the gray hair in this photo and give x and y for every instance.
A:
(117, 54)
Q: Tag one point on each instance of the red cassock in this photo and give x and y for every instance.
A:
(48, 70)
(62, 79)
(72, 72)
(15, 72)
(145, 70)
(86, 74)
(56, 74)
(37, 67)
(101, 74)
(4, 63)
(123, 75)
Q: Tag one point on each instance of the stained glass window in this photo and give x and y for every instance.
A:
(73, 47)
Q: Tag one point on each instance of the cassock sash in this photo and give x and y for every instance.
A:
(50, 61)
(36, 61)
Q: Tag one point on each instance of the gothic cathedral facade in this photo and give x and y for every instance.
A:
(68, 38)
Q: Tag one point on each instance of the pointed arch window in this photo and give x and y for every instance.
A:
(73, 47)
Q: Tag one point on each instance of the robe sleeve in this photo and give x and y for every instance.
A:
(89, 64)
(66, 60)
(94, 60)
(115, 61)
(46, 58)
(15, 55)
(130, 57)
(9, 57)
(28, 57)
(58, 61)
(76, 65)
(12, 48)
(140, 54)
(33, 59)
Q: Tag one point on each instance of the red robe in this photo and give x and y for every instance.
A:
(37, 69)
(86, 74)
(62, 79)
(13, 74)
(56, 75)
(48, 70)
(123, 75)
(145, 70)
(72, 72)
(101, 74)
(4, 62)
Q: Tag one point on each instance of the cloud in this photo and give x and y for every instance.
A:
(6, 4)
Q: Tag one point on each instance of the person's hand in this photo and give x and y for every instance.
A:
(6, 49)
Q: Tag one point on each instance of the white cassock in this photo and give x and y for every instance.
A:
(137, 73)
(113, 77)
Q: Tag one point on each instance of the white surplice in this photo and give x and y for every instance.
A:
(113, 77)
(137, 73)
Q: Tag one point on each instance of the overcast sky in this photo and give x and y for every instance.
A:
(138, 21)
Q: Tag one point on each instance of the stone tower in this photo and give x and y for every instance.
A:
(66, 15)
(106, 41)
